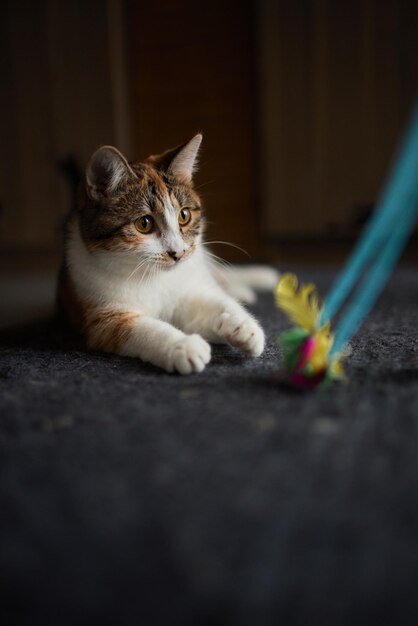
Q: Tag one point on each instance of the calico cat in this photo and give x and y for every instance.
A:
(137, 279)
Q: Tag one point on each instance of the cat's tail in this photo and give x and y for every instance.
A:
(242, 282)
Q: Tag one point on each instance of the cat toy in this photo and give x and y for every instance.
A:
(313, 354)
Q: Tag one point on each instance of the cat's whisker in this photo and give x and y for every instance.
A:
(141, 263)
(219, 261)
(156, 271)
(133, 272)
(153, 271)
(145, 273)
(149, 275)
(204, 184)
(226, 243)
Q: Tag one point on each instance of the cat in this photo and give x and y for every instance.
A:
(137, 278)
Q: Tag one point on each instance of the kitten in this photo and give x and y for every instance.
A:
(137, 279)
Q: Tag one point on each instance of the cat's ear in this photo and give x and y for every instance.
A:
(106, 170)
(181, 161)
(184, 162)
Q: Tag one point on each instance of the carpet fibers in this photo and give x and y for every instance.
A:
(131, 496)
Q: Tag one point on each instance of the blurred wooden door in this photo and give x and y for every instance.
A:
(337, 83)
(61, 75)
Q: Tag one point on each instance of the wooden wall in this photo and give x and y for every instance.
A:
(61, 73)
(337, 82)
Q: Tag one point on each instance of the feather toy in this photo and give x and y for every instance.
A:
(312, 354)
(306, 347)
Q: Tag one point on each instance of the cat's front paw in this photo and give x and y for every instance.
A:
(190, 354)
(243, 332)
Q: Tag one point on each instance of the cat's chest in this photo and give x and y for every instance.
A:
(154, 297)
(105, 281)
(158, 295)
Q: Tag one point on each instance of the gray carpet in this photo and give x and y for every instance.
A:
(130, 496)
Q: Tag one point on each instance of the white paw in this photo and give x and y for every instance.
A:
(190, 354)
(242, 332)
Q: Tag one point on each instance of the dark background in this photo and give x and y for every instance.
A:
(301, 104)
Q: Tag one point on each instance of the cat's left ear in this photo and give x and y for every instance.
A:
(106, 171)
(181, 161)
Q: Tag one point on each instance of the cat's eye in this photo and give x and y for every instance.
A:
(185, 215)
(144, 224)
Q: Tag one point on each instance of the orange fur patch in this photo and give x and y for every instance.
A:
(108, 330)
(105, 329)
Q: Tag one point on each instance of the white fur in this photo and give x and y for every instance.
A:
(179, 309)
(171, 238)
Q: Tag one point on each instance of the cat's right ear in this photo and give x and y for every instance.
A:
(105, 172)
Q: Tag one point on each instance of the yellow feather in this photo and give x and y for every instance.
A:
(300, 305)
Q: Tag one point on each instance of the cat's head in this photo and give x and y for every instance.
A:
(145, 210)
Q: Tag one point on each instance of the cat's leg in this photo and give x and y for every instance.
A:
(220, 319)
(150, 339)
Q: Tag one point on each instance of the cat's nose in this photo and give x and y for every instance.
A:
(176, 255)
